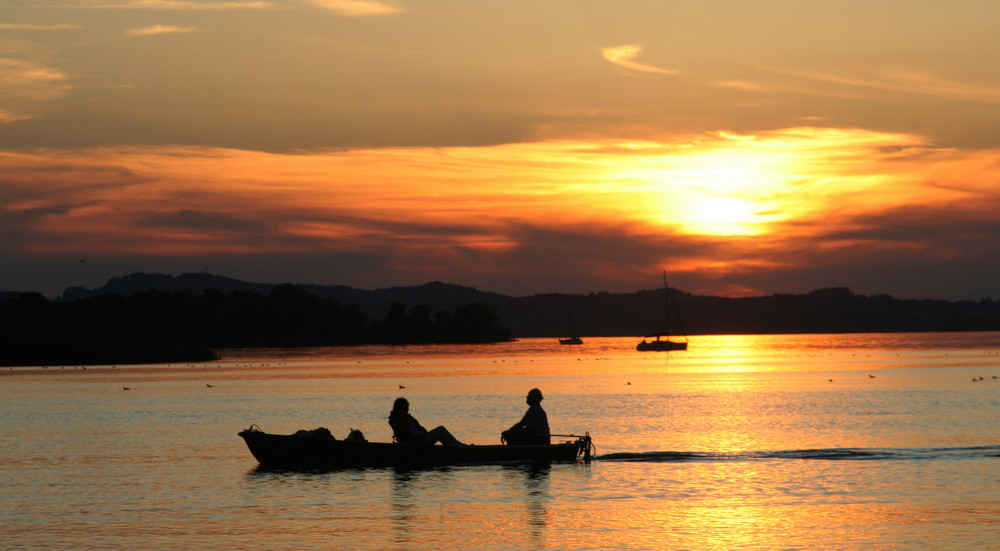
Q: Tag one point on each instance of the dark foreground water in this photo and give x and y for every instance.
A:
(779, 442)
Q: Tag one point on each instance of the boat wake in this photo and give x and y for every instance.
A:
(831, 454)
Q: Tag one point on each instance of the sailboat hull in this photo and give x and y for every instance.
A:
(661, 346)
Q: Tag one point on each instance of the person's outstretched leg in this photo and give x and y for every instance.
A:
(441, 434)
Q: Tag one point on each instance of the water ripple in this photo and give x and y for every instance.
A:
(831, 454)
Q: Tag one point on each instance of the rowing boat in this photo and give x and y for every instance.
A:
(318, 449)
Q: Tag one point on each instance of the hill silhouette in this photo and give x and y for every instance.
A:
(831, 310)
(156, 318)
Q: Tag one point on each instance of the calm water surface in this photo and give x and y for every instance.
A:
(742, 442)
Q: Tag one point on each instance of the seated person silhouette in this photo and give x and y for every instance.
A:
(533, 428)
(406, 429)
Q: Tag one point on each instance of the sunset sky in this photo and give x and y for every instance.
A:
(745, 147)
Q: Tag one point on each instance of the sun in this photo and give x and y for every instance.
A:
(717, 193)
(725, 216)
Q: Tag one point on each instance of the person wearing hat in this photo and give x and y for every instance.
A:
(533, 428)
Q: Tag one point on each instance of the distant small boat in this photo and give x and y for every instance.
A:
(573, 339)
(661, 341)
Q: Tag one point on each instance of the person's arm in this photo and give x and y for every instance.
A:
(399, 427)
(522, 423)
(416, 424)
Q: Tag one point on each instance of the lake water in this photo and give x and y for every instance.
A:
(742, 442)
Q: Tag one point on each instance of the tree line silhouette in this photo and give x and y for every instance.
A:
(829, 310)
(160, 326)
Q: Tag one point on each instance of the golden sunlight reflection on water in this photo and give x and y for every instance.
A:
(807, 442)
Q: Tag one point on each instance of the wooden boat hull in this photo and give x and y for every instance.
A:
(317, 449)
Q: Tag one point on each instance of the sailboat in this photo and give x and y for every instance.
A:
(661, 341)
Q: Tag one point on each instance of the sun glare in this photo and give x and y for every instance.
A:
(487, 200)
(716, 192)
(722, 216)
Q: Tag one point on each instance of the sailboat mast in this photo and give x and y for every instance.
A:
(666, 305)
(670, 302)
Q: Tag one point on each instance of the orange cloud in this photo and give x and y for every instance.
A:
(160, 29)
(357, 8)
(27, 87)
(36, 27)
(720, 208)
(185, 5)
(623, 56)
(906, 81)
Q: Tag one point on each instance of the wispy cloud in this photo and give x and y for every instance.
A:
(36, 27)
(175, 4)
(907, 81)
(927, 83)
(160, 29)
(744, 85)
(357, 8)
(348, 8)
(15, 71)
(10, 116)
(623, 56)
(26, 86)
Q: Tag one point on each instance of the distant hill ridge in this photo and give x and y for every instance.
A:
(832, 310)
(194, 282)
(436, 295)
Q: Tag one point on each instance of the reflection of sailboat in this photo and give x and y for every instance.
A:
(662, 342)
(573, 339)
